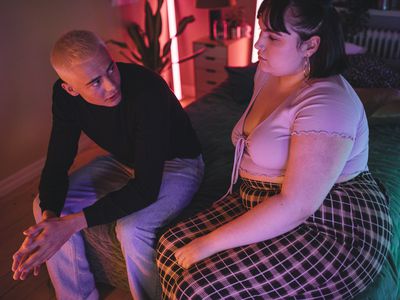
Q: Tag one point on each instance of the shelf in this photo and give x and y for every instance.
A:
(384, 13)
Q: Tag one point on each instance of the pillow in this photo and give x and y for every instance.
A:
(390, 110)
(368, 71)
(388, 115)
(352, 49)
(240, 82)
(382, 106)
(380, 102)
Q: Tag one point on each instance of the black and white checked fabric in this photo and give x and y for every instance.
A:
(335, 254)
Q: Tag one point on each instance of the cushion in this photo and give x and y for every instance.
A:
(368, 71)
(380, 102)
(239, 83)
(105, 257)
(390, 110)
(352, 49)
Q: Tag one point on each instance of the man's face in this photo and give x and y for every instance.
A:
(97, 80)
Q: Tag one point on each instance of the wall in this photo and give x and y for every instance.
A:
(385, 19)
(28, 30)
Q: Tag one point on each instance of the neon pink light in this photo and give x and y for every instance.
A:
(254, 55)
(176, 73)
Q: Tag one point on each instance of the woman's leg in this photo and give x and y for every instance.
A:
(173, 277)
(334, 254)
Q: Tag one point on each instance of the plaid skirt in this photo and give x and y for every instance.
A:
(335, 254)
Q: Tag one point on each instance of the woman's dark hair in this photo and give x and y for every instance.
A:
(310, 18)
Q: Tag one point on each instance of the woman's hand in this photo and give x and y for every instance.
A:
(43, 241)
(195, 251)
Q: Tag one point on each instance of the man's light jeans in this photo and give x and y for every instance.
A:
(69, 268)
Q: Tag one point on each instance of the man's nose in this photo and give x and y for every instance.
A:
(108, 84)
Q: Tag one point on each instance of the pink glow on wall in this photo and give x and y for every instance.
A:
(254, 56)
(176, 74)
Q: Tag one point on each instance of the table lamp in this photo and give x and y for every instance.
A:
(214, 7)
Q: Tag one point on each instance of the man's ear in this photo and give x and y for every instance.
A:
(69, 89)
(311, 45)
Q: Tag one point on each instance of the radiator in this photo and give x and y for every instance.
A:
(380, 42)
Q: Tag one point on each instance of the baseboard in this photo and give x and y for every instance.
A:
(21, 177)
(31, 172)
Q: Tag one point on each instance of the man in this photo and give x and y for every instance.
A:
(153, 170)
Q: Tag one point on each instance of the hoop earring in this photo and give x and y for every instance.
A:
(307, 67)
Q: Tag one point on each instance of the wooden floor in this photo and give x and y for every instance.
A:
(16, 216)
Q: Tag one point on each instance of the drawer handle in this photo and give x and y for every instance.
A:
(211, 71)
(209, 58)
(211, 82)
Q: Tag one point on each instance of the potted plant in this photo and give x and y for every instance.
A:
(148, 47)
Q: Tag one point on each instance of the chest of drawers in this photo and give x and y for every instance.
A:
(210, 66)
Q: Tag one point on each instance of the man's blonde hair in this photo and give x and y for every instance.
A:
(74, 47)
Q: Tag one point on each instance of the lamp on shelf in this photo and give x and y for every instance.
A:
(215, 14)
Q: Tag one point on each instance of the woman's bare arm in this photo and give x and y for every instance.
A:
(315, 162)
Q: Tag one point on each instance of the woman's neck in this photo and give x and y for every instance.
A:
(289, 82)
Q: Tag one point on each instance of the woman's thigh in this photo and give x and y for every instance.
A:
(218, 214)
(312, 261)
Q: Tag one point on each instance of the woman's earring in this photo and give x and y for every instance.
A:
(307, 67)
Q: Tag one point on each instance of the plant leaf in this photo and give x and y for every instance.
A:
(183, 23)
(165, 64)
(126, 56)
(138, 37)
(118, 43)
(136, 33)
(153, 30)
(149, 22)
(193, 55)
(157, 23)
(156, 51)
(135, 56)
(160, 3)
(157, 20)
(167, 48)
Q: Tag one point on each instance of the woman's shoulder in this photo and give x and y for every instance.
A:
(328, 104)
(335, 84)
(333, 89)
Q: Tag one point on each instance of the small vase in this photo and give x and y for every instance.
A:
(220, 29)
(245, 30)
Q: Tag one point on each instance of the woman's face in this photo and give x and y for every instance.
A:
(278, 52)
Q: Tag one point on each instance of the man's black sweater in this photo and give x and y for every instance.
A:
(146, 128)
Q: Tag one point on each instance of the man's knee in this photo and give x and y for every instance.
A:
(131, 231)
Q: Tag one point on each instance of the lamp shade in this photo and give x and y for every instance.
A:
(212, 3)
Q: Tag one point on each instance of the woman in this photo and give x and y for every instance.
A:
(310, 222)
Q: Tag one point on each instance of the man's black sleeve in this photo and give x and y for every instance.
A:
(61, 152)
(152, 135)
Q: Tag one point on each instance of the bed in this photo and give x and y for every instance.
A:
(214, 115)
